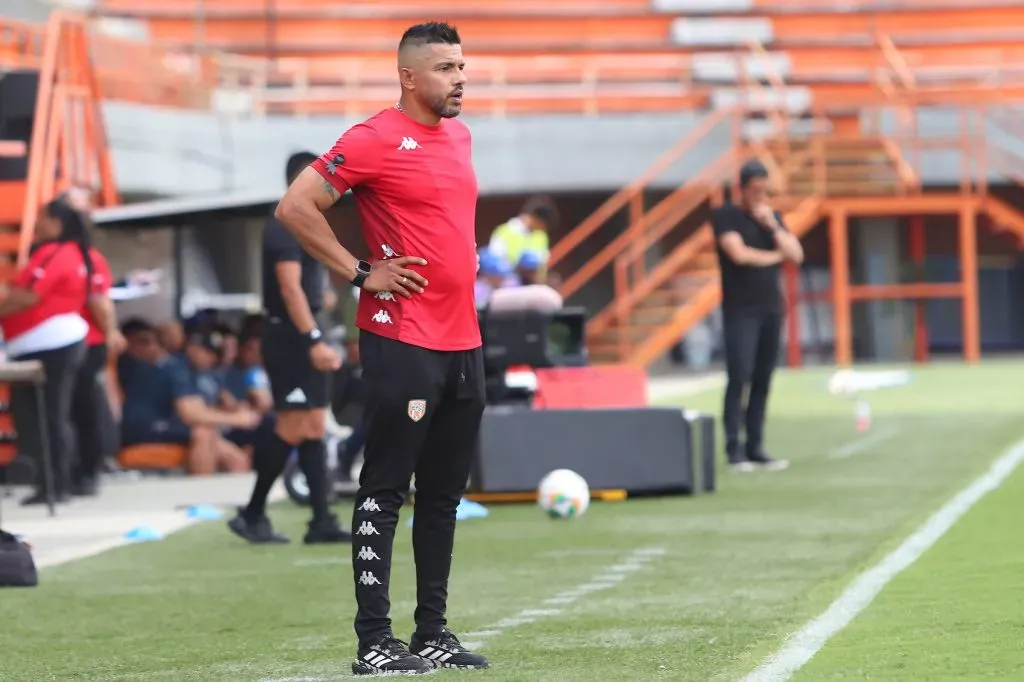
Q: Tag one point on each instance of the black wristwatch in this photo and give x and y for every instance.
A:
(362, 272)
(314, 337)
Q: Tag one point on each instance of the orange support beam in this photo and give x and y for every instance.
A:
(838, 232)
(794, 348)
(908, 290)
(969, 282)
(918, 251)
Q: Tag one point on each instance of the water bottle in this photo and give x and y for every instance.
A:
(863, 415)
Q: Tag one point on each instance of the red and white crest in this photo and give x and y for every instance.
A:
(417, 409)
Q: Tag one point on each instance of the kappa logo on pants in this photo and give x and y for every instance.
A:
(367, 554)
(369, 505)
(366, 528)
(368, 578)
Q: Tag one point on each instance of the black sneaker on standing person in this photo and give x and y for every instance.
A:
(258, 530)
(387, 655)
(298, 365)
(737, 460)
(760, 460)
(326, 530)
(445, 650)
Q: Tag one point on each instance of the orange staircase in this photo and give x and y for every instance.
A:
(68, 144)
(848, 164)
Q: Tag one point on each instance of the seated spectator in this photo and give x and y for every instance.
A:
(246, 380)
(494, 274)
(140, 340)
(172, 400)
(529, 269)
(246, 385)
(229, 353)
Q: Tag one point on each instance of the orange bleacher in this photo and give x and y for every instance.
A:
(315, 56)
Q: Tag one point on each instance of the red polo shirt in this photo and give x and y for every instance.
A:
(416, 191)
(56, 273)
(100, 286)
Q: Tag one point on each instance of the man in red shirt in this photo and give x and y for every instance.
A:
(411, 172)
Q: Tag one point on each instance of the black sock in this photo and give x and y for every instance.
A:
(270, 454)
(313, 462)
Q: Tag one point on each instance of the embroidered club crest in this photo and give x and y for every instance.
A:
(417, 409)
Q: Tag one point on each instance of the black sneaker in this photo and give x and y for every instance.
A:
(445, 651)
(762, 461)
(737, 460)
(387, 655)
(258, 532)
(325, 531)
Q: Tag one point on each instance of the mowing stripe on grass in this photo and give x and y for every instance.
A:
(633, 561)
(859, 445)
(801, 646)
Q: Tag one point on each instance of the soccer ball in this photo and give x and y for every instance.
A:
(563, 494)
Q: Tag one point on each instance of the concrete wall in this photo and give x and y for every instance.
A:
(157, 151)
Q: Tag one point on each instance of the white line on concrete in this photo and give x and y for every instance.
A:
(801, 646)
(859, 445)
(113, 527)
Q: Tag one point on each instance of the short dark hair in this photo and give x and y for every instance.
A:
(136, 325)
(297, 163)
(430, 33)
(542, 208)
(752, 170)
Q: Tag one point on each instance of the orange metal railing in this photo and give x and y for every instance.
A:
(68, 145)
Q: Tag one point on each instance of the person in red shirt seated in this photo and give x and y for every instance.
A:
(40, 316)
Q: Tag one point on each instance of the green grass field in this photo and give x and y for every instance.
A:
(740, 569)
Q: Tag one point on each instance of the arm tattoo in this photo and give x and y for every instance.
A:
(330, 191)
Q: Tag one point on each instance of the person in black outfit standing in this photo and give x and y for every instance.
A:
(752, 242)
(299, 365)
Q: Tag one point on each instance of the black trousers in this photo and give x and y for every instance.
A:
(61, 366)
(88, 403)
(752, 341)
(422, 418)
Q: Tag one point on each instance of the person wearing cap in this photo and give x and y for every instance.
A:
(530, 268)
(178, 400)
(493, 273)
(752, 243)
(528, 231)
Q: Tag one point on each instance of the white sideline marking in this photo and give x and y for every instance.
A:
(607, 577)
(801, 646)
(859, 445)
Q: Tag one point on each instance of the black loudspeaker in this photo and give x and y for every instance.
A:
(18, 92)
(643, 451)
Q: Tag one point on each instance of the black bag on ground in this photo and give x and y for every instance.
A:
(17, 568)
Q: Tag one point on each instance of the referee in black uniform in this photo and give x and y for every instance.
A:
(752, 243)
(299, 365)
